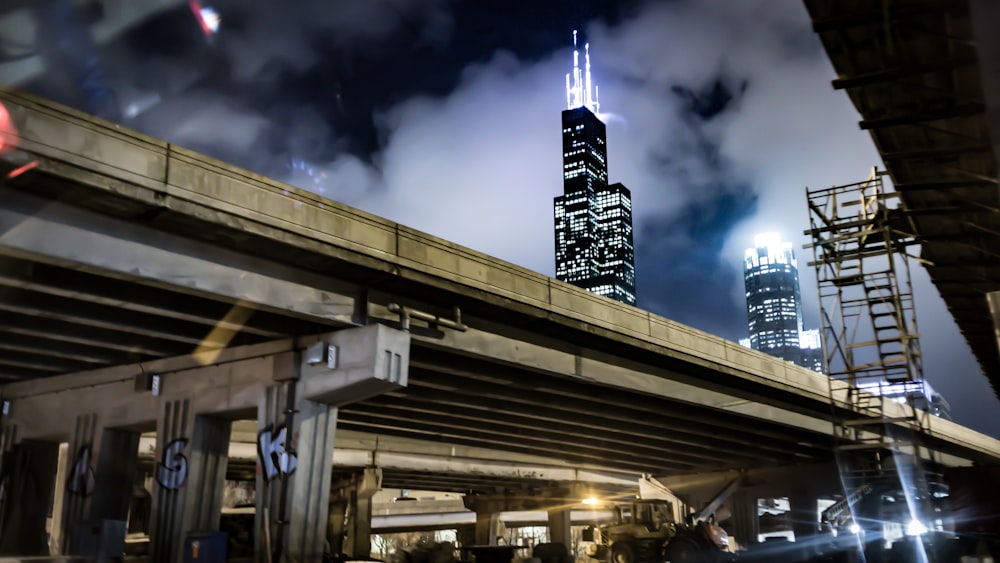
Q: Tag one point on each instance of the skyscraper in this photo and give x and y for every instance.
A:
(811, 346)
(774, 303)
(593, 220)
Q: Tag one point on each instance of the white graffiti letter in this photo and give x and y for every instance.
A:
(274, 454)
(171, 473)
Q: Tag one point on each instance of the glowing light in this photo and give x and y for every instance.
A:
(590, 501)
(316, 178)
(580, 88)
(916, 528)
(21, 170)
(855, 529)
(8, 133)
(769, 247)
(207, 17)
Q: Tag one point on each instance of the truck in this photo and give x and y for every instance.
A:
(644, 531)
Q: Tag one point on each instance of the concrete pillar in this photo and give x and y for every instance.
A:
(335, 526)
(560, 521)
(206, 473)
(296, 468)
(487, 527)
(28, 477)
(805, 521)
(116, 466)
(188, 478)
(82, 478)
(101, 465)
(744, 523)
(359, 527)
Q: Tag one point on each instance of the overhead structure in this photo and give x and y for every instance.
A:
(860, 237)
(924, 76)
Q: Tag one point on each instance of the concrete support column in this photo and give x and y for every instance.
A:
(483, 529)
(295, 449)
(81, 479)
(173, 431)
(560, 521)
(189, 477)
(100, 467)
(805, 520)
(487, 527)
(335, 526)
(28, 479)
(206, 473)
(116, 466)
(359, 526)
(744, 523)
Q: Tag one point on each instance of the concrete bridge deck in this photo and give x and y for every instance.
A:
(121, 249)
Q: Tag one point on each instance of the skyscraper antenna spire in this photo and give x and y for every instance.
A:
(580, 88)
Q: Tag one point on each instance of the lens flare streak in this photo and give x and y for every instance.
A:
(207, 17)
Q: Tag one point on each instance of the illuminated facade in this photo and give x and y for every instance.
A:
(811, 349)
(593, 220)
(924, 397)
(774, 304)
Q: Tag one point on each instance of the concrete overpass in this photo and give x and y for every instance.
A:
(125, 257)
(925, 77)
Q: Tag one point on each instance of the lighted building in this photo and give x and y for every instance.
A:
(593, 220)
(774, 304)
(924, 397)
(811, 350)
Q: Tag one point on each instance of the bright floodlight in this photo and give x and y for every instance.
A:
(855, 529)
(590, 501)
(916, 528)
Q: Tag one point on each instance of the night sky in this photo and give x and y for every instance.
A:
(444, 115)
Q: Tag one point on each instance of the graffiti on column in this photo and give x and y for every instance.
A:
(276, 455)
(171, 473)
(81, 475)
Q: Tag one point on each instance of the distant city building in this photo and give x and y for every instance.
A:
(924, 397)
(774, 304)
(811, 349)
(593, 220)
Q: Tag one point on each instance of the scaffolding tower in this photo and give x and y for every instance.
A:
(860, 237)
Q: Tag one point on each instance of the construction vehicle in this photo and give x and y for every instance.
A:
(644, 531)
(637, 533)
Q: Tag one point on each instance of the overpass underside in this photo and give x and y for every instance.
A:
(924, 76)
(145, 288)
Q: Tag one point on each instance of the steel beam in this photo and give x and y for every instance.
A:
(958, 111)
(109, 318)
(10, 341)
(51, 332)
(36, 229)
(892, 74)
(627, 417)
(936, 152)
(75, 284)
(566, 433)
(509, 384)
(896, 12)
(943, 185)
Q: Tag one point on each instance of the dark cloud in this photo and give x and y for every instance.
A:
(683, 274)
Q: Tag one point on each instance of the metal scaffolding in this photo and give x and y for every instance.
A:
(860, 237)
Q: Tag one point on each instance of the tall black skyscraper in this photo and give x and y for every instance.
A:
(593, 220)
